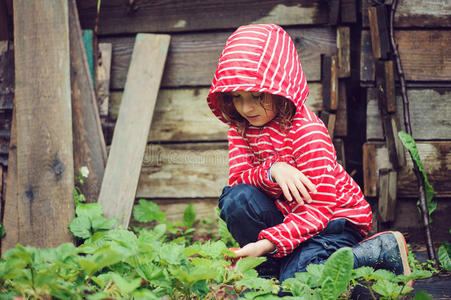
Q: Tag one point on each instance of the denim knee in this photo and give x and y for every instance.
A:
(235, 200)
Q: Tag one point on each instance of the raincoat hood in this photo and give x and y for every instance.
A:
(259, 58)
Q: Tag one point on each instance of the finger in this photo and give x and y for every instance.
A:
(305, 195)
(286, 192)
(307, 183)
(294, 191)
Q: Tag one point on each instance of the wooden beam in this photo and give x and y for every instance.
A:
(329, 80)
(348, 11)
(341, 126)
(188, 170)
(132, 128)
(416, 13)
(344, 51)
(191, 50)
(436, 159)
(89, 143)
(385, 82)
(431, 108)
(379, 31)
(340, 149)
(425, 55)
(387, 195)
(334, 12)
(102, 81)
(6, 75)
(44, 122)
(118, 17)
(11, 213)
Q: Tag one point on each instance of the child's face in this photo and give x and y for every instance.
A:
(257, 108)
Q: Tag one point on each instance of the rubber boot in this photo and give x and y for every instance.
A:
(385, 250)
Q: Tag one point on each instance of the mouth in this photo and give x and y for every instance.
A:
(252, 117)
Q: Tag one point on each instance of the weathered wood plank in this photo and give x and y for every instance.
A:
(430, 111)
(44, 123)
(386, 204)
(416, 13)
(190, 51)
(88, 141)
(341, 125)
(436, 159)
(344, 51)
(103, 78)
(329, 81)
(11, 214)
(184, 171)
(117, 16)
(6, 75)
(132, 128)
(182, 115)
(348, 11)
(425, 55)
(378, 19)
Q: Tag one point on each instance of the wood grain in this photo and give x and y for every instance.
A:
(183, 115)
(44, 123)
(6, 75)
(344, 51)
(436, 159)
(425, 55)
(416, 13)
(193, 57)
(103, 78)
(386, 203)
(89, 143)
(429, 109)
(188, 170)
(117, 16)
(132, 129)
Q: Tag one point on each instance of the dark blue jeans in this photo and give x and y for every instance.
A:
(247, 211)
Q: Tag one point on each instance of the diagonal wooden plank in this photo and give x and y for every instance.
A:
(88, 140)
(44, 123)
(132, 128)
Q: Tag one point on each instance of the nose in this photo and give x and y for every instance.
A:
(248, 106)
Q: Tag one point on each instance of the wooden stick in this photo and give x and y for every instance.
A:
(420, 180)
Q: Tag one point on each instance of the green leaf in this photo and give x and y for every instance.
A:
(444, 256)
(362, 272)
(125, 286)
(171, 253)
(339, 268)
(383, 274)
(328, 291)
(247, 263)
(200, 288)
(422, 295)
(410, 144)
(2, 231)
(147, 211)
(81, 227)
(387, 288)
(189, 215)
(89, 210)
(316, 272)
(101, 223)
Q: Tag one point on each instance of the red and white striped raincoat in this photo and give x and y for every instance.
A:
(263, 58)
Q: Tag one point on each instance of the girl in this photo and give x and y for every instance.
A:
(288, 197)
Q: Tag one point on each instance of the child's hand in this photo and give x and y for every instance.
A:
(292, 182)
(255, 249)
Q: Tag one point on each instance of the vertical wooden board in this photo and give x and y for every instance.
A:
(387, 195)
(88, 141)
(366, 58)
(348, 11)
(341, 126)
(44, 123)
(6, 75)
(11, 214)
(103, 78)
(369, 165)
(344, 51)
(132, 129)
(340, 149)
(331, 124)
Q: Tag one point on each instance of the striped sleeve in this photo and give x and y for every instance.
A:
(315, 158)
(243, 167)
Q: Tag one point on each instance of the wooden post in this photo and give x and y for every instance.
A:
(344, 51)
(334, 12)
(103, 79)
(89, 144)
(369, 170)
(132, 128)
(329, 79)
(45, 174)
(387, 195)
(6, 75)
(385, 82)
(380, 40)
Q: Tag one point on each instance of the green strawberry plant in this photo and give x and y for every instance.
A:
(163, 260)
